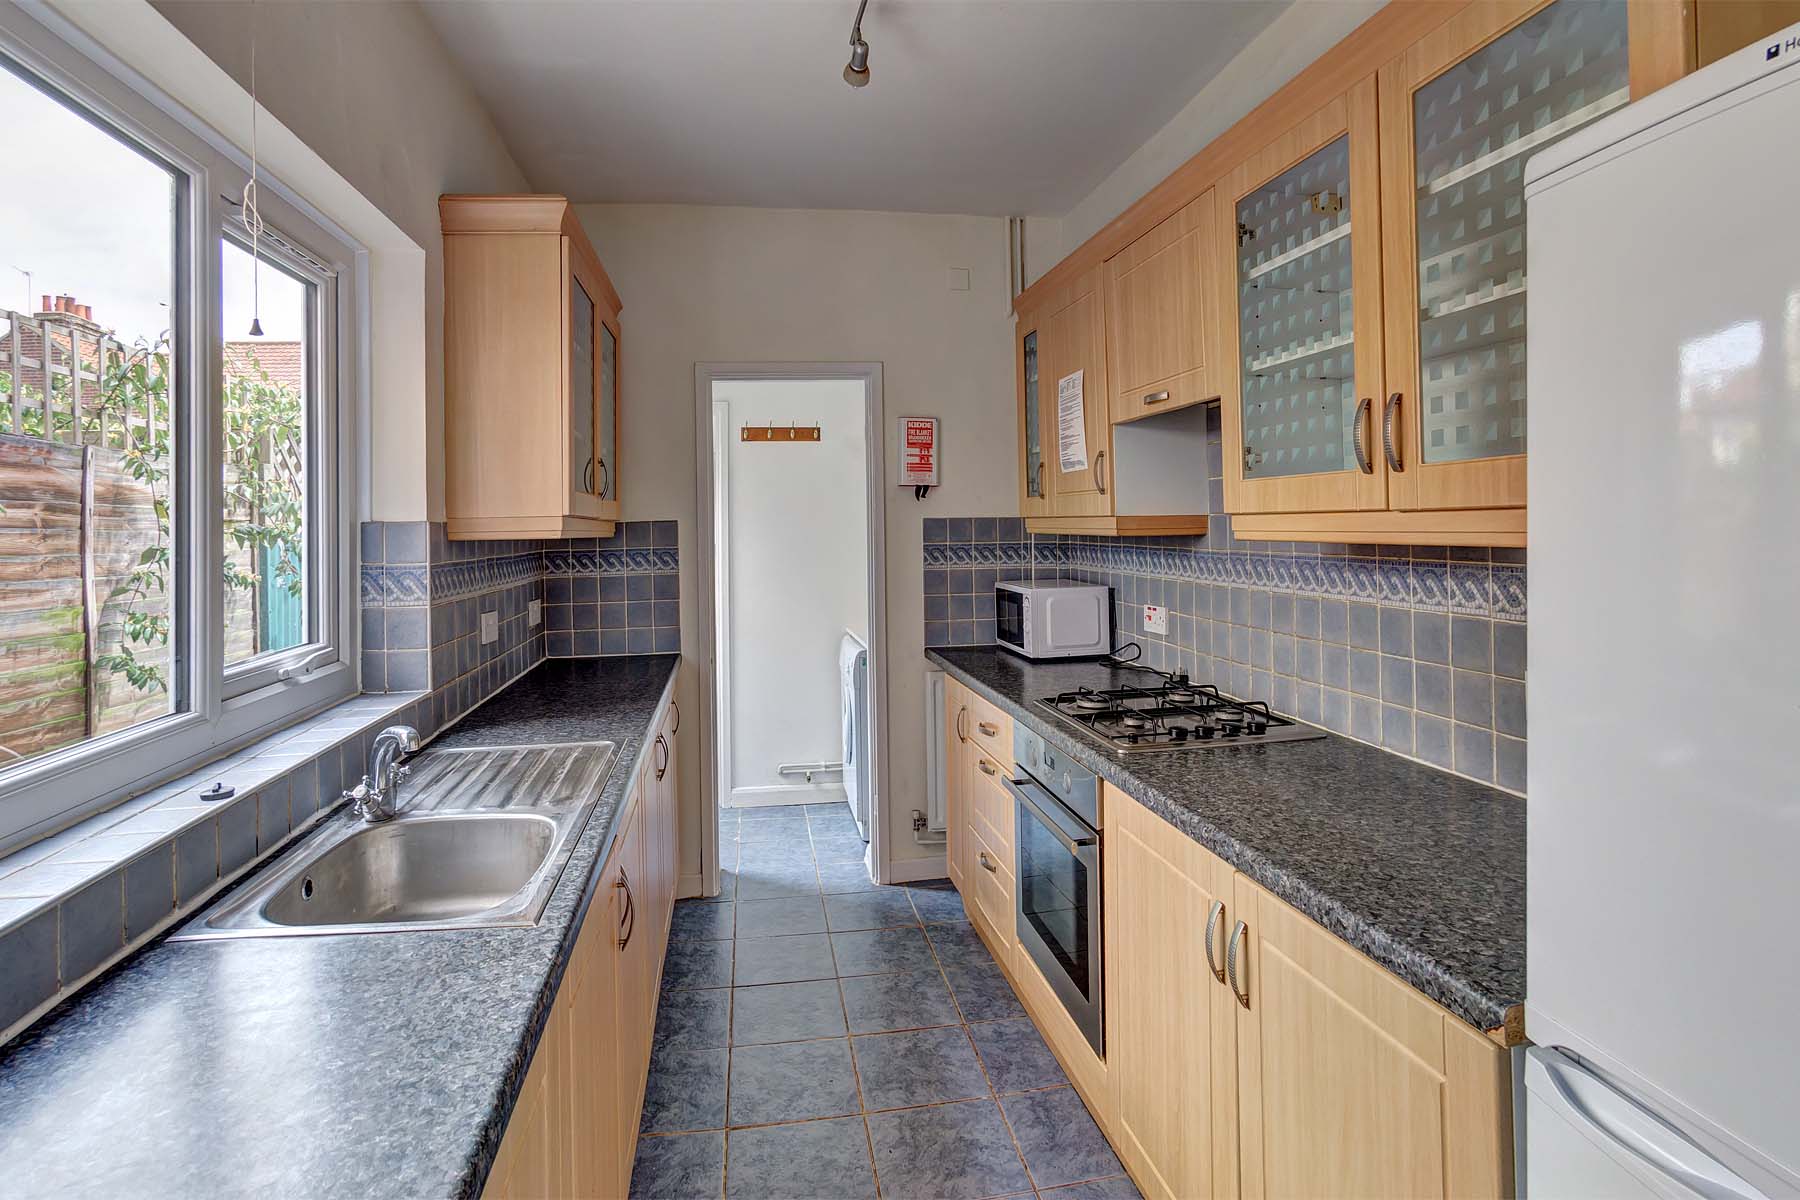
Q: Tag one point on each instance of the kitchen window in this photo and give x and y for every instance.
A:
(175, 537)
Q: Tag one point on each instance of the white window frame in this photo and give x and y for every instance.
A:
(215, 712)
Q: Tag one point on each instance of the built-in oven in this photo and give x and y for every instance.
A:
(1056, 873)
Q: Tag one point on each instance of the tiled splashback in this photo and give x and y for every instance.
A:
(423, 596)
(1419, 650)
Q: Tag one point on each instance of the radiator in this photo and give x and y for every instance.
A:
(936, 758)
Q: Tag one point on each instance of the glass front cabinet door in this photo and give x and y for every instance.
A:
(1303, 219)
(1034, 470)
(606, 449)
(1461, 112)
(581, 392)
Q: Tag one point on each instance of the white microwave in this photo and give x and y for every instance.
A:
(1057, 618)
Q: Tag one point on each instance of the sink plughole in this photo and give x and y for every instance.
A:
(490, 861)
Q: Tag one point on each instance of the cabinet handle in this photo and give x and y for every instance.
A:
(1388, 412)
(988, 729)
(605, 479)
(587, 477)
(662, 746)
(1156, 397)
(1231, 962)
(1212, 924)
(1040, 479)
(987, 768)
(1100, 472)
(1363, 409)
(629, 920)
(675, 707)
(962, 727)
(987, 862)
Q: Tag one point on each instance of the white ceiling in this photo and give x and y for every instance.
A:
(975, 106)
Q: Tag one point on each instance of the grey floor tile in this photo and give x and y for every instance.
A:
(794, 1081)
(685, 1166)
(689, 1020)
(946, 1152)
(914, 1000)
(938, 903)
(1059, 1139)
(686, 1091)
(1118, 1187)
(769, 883)
(690, 965)
(772, 918)
(816, 1160)
(775, 854)
(836, 848)
(845, 877)
(701, 920)
(783, 959)
(790, 830)
(727, 886)
(958, 945)
(882, 908)
(881, 951)
(922, 1066)
(786, 1012)
(982, 993)
(1015, 1055)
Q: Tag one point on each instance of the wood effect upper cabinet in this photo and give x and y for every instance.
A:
(1072, 341)
(1170, 1020)
(1162, 324)
(1302, 221)
(1349, 1082)
(531, 372)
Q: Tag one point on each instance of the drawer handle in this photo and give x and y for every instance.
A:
(1156, 397)
(1231, 962)
(987, 862)
(1212, 925)
(987, 729)
(987, 768)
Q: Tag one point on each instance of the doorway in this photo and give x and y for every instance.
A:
(792, 595)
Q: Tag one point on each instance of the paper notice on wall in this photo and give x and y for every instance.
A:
(1071, 424)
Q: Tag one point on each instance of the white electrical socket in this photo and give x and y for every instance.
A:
(490, 627)
(534, 613)
(1156, 619)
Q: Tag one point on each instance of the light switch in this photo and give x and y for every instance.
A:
(490, 627)
(1156, 619)
(534, 613)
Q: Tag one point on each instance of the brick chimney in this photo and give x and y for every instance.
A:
(63, 310)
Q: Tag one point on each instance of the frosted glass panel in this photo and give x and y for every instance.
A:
(609, 414)
(1295, 323)
(1034, 448)
(581, 387)
(1474, 128)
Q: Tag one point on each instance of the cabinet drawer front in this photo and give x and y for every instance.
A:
(991, 805)
(993, 889)
(991, 729)
(1166, 395)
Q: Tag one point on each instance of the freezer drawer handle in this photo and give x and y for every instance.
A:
(1640, 1134)
(1212, 927)
(1231, 962)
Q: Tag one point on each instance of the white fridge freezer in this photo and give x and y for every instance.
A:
(1663, 945)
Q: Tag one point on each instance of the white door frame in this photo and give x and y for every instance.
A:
(874, 443)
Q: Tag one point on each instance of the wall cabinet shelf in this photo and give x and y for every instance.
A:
(531, 372)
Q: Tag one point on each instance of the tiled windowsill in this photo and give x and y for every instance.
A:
(78, 901)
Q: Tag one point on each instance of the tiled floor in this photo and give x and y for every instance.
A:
(819, 1037)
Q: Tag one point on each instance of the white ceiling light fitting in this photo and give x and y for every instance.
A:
(856, 73)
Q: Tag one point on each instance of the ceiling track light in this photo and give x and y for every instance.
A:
(856, 73)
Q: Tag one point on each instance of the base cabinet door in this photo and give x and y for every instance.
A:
(1350, 1083)
(956, 798)
(1170, 1019)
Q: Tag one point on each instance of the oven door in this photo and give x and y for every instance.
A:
(1057, 876)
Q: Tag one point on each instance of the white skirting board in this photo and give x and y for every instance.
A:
(912, 870)
(818, 793)
(689, 886)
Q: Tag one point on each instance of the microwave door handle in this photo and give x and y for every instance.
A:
(1066, 830)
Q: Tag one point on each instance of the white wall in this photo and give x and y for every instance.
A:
(371, 89)
(1291, 42)
(799, 578)
(705, 284)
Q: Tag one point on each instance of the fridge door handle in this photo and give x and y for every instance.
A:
(1630, 1130)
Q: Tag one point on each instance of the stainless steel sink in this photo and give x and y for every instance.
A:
(491, 860)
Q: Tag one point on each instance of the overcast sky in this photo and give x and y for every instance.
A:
(92, 218)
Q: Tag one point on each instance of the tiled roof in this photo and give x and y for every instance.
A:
(283, 362)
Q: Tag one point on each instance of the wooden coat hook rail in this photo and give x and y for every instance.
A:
(779, 433)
